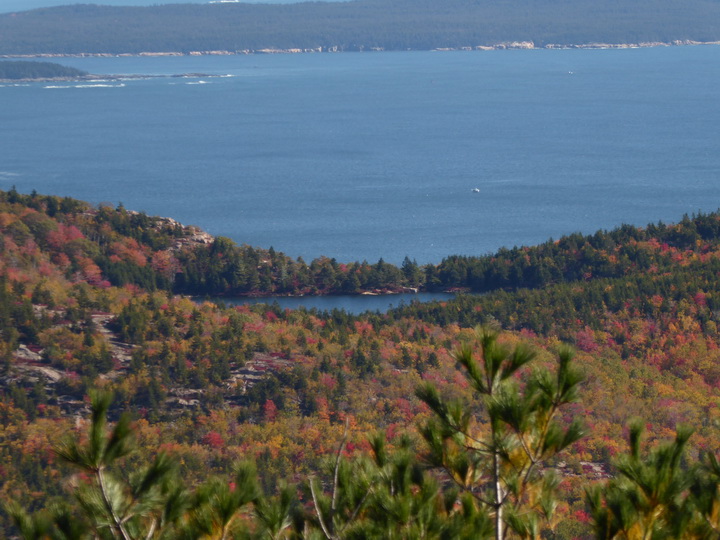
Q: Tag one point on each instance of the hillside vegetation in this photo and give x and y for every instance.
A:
(87, 301)
(353, 26)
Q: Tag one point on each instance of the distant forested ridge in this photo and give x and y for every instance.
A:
(120, 247)
(18, 70)
(354, 26)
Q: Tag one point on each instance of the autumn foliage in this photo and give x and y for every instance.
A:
(87, 299)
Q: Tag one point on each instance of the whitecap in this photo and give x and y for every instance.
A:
(99, 86)
(197, 82)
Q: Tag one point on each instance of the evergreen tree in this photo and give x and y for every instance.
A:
(497, 456)
(649, 497)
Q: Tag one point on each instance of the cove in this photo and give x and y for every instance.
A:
(361, 156)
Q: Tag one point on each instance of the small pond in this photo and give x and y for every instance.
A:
(354, 304)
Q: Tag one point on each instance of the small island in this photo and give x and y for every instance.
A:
(12, 71)
(33, 71)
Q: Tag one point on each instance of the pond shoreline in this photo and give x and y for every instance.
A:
(354, 304)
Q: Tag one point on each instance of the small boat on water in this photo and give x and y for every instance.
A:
(476, 190)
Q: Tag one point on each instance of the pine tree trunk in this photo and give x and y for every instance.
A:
(499, 535)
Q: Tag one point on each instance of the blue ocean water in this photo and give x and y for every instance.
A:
(367, 155)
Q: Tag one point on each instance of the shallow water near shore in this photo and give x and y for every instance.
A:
(368, 155)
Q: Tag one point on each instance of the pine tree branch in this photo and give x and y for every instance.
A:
(333, 504)
(356, 511)
(321, 520)
(151, 532)
(108, 504)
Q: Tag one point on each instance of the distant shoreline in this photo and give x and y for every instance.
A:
(513, 45)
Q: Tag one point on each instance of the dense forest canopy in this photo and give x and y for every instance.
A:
(353, 26)
(87, 301)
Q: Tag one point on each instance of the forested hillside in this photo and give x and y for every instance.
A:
(353, 26)
(87, 301)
